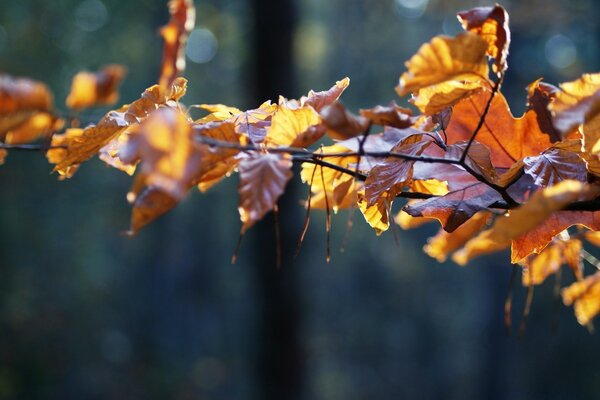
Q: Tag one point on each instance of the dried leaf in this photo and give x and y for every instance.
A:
(445, 243)
(148, 206)
(456, 207)
(585, 295)
(555, 165)
(342, 124)
(542, 205)
(294, 127)
(318, 100)
(478, 158)
(434, 99)
(377, 214)
(444, 59)
(390, 175)
(175, 34)
(392, 115)
(262, 180)
(576, 103)
(93, 138)
(491, 24)
(95, 88)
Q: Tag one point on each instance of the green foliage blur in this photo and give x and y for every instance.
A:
(88, 313)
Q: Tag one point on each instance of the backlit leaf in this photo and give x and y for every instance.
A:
(95, 88)
(262, 180)
(444, 59)
(175, 34)
(491, 24)
(585, 296)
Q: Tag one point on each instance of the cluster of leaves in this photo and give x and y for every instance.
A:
(492, 181)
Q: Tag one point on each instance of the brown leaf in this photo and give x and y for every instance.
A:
(478, 158)
(539, 97)
(491, 24)
(95, 88)
(555, 165)
(540, 266)
(542, 205)
(342, 124)
(390, 175)
(509, 139)
(319, 100)
(175, 34)
(585, 295)
(255, 123)
(456, 207)
(444, 59)
(262, 180)
(392, 115)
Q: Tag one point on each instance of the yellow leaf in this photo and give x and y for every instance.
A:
(444, 59)
(585, 295)
(540, 266)
(436, 98)
(294, 127)
(376, 215)
(95, 88)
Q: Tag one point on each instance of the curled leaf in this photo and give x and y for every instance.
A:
(175, 34)
(585, 296)
(491, 24)
(95, 88)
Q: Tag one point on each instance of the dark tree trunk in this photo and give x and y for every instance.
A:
(280, 357)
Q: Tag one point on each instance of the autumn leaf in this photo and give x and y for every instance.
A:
(538, 209)
(555, 165)
(81, 147)
(478, 158)
(539, 97)
(392, 115)
(538, 267)
(585, 295)
(444, 59)
(175, 34)
(390, 175)
(577, 103)
(434, 99)
(491, 24)
(148, 206)
(445, 243)
(25, 110)
(319, 100)
(296, 127)
(456, 207)
(95, 88)
(509, 139)
(255, 123)
(262, 180)
(342, 124)
(377, 214)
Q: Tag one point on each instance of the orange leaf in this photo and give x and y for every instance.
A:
(491, 24)
(95, 88)
(585, 295)
(540, 266)
(444, 243)
(509, 139)
(148, 206)
(175, 34)
(262, 180)
(92, 139)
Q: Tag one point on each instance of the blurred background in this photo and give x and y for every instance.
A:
(88, 313)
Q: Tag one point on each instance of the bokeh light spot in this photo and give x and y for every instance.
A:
(560, 51)
(91, 15)
(202, 46)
